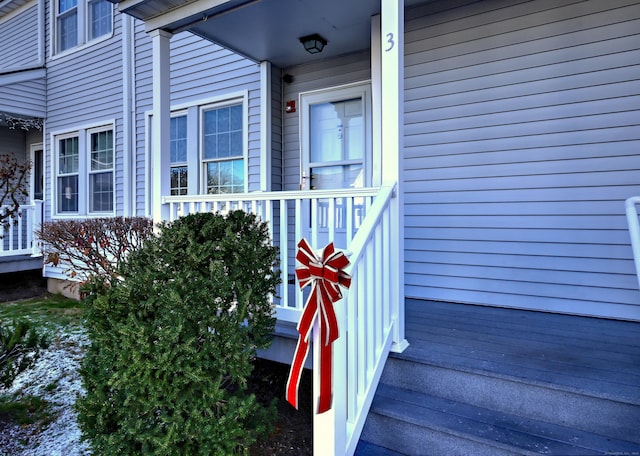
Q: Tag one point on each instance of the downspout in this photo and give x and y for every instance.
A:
(128, 116)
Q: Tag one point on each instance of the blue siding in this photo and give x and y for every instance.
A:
(20, 36)
(522, 141)
(200, 70)
(24, 98)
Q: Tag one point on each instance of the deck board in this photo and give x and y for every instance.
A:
(577, 353)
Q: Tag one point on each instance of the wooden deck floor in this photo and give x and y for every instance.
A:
(579, 353)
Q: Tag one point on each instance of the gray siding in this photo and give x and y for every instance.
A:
(314, 76)
(12, 142)
(276, 128)
(24, 98)
(85, 87)
(522, 141)
(200, 70)
(20, 36)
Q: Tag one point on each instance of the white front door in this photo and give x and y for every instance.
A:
(336, 154)
(336, 138)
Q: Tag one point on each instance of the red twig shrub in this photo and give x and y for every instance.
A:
(93, 248)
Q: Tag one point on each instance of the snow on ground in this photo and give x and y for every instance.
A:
(54, 378)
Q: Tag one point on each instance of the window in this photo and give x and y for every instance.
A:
(68, 160)
(223, 149)
(81, 21)
(85, 171)
(101, 172)
(179, 174)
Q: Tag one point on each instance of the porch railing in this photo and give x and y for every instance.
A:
(634, 230)
(362, 222)
(18, 237)
(318, 215)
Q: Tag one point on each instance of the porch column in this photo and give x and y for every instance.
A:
(392, 119)
(160, 124)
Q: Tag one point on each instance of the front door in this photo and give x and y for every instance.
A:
(336, 138)
(336, 154)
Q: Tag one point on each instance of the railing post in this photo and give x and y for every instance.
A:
(36, 224)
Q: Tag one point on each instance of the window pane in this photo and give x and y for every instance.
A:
(225, 176)
(68, 30)
(179, 180)
(222, 132)
(64, 5)
(68, 156)
(101, 192)
(102, 150)
(179, 139)
(68, 194)
(99, 18)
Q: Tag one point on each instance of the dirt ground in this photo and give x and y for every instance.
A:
(22, 285)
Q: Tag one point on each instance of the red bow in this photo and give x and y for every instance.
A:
(325, 276)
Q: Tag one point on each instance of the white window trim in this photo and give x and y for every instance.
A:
(83, 133)
(83, 31)
(182, 112)
(195, 163)
(245, 140)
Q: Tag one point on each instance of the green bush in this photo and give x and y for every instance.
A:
(172, 342)
(19, 348)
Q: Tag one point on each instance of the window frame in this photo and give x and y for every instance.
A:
(202, 161)
(180, 164)
(83, 27)
(84, 171)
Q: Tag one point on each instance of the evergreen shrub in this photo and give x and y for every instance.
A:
(172, 341)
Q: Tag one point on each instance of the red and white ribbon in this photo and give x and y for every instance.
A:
(325, 275)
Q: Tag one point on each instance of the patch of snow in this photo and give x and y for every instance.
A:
(55, 378)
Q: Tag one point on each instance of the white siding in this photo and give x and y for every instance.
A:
(20, 39)
(200, 70)
(522, 140)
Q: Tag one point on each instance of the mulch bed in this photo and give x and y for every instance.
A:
(294, 430)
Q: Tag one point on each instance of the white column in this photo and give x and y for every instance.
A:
(265, 126)
(160, 124)
(392, 101)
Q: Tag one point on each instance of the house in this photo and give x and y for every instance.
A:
(473, 157)
(22, 108)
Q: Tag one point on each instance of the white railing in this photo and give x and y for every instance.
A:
(365, 318)
(362, 222)
(318, 215)
(634, 230)
(18, 238)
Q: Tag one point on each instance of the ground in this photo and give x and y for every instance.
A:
(292, 435)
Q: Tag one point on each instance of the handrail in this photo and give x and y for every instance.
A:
(634, 230)
(366, 319)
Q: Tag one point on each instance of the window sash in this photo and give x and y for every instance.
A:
(101, 171)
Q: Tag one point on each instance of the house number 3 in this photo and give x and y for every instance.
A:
(390, 41)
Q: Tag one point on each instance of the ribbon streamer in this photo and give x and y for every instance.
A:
(325, 275)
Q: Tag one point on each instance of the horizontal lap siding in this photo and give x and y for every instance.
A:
(24, 98)
(20, 37)
(200, 70)
(85, 87)
(522, 141)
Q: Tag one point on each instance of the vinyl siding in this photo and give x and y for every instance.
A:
(85, 87)
(12, 142)
(327, 73)
(522, 142)
(24, 98)
(20, 38)
(200, 70)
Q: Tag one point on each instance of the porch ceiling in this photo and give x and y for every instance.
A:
(265, 29)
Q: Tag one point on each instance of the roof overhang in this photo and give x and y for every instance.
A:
(264, 30)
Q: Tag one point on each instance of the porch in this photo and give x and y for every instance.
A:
(18, 244)
(481, 380)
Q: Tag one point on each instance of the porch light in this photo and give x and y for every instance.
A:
(313, 44)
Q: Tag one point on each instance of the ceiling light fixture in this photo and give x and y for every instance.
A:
(313, 44)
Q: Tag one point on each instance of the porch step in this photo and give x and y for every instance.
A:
(479, 380)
